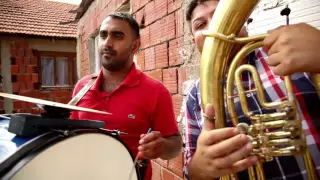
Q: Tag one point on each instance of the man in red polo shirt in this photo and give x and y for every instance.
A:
(136, 101)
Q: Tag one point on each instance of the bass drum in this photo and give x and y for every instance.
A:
(75, 155)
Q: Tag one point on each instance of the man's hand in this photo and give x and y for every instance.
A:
(293, 48)
(151, 145)
(220, 152)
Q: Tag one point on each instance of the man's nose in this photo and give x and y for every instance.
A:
(108, 42)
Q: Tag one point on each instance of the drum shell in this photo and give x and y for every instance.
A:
(77, 154)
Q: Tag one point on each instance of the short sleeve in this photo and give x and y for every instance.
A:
(163, 115)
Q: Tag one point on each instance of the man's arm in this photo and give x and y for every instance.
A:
(165, 141)
(192, 127)
(172, 146)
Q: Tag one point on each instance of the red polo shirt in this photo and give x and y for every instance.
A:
(139, 103)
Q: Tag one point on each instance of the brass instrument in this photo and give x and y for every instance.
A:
(227, 21)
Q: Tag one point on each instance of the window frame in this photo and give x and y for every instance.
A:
(72, 68)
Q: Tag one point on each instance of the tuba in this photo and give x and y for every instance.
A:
(220, 74)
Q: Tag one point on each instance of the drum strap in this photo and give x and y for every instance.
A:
(83, 91)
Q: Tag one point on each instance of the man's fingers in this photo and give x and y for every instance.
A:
(151, 145)
(244, 164)
(271, 38)
(281, 70)
(208, 123)
(230, 145)
(216, 135)
(150, 137)
(274, 59)
(239, 166)
(229, 159)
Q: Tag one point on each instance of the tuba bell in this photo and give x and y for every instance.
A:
(220, 73)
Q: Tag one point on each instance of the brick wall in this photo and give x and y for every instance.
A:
(166, 54)
(25, 80)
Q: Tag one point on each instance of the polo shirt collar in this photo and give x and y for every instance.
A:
(132, 79)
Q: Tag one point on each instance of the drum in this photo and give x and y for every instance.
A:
(79, 154)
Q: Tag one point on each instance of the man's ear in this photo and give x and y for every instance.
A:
(193, 39)
(136, 45)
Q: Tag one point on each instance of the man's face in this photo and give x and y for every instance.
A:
(200, 20)
(117, 44)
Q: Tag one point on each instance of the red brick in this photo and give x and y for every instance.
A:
(30, 86)
(134, 6)
(22, 69)
(28, 52)
(17, 45)
(35, 78)
(15, 87)
(169, 27)
(149, 13)
(19, 61)
(24, 45)
(28, 77)
(22, 86)
(26, 60)
(140, 17)
(149, 58)
(121, 2)
(140, 60)
(161, 8)
(155, 74)
(21, 78)
(177, 103)
(161, 55)
(182, 77)
(112, 6)
(34, 60)
(20, 52)
(161, 162)
(142, 3)
(179, 17)
(167, 175)
(138, 4)
(156, 171)
(145, 37)
(174, 5)
(30, 69)
(170, 79)
(14, 69)
(19, 104)
(175, 52)
(156, 32)
(13, 52)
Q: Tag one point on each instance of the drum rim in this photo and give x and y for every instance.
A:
(35, 146)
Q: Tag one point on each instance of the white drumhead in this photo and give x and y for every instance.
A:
(83, 157)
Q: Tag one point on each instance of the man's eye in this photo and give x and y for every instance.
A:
(103, 35)
(118, 35)
(200, 25)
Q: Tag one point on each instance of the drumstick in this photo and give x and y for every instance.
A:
(136, 159)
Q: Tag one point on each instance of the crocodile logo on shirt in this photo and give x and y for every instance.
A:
(131, 116)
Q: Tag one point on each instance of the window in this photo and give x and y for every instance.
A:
(97, 56)
(57, 69)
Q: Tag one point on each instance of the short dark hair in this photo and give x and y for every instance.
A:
(127, 17)
(192, 5)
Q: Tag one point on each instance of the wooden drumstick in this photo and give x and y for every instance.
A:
(50, 103)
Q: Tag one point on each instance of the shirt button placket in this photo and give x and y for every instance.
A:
(106, 103)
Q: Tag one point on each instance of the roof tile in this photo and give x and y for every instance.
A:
(37, 17)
